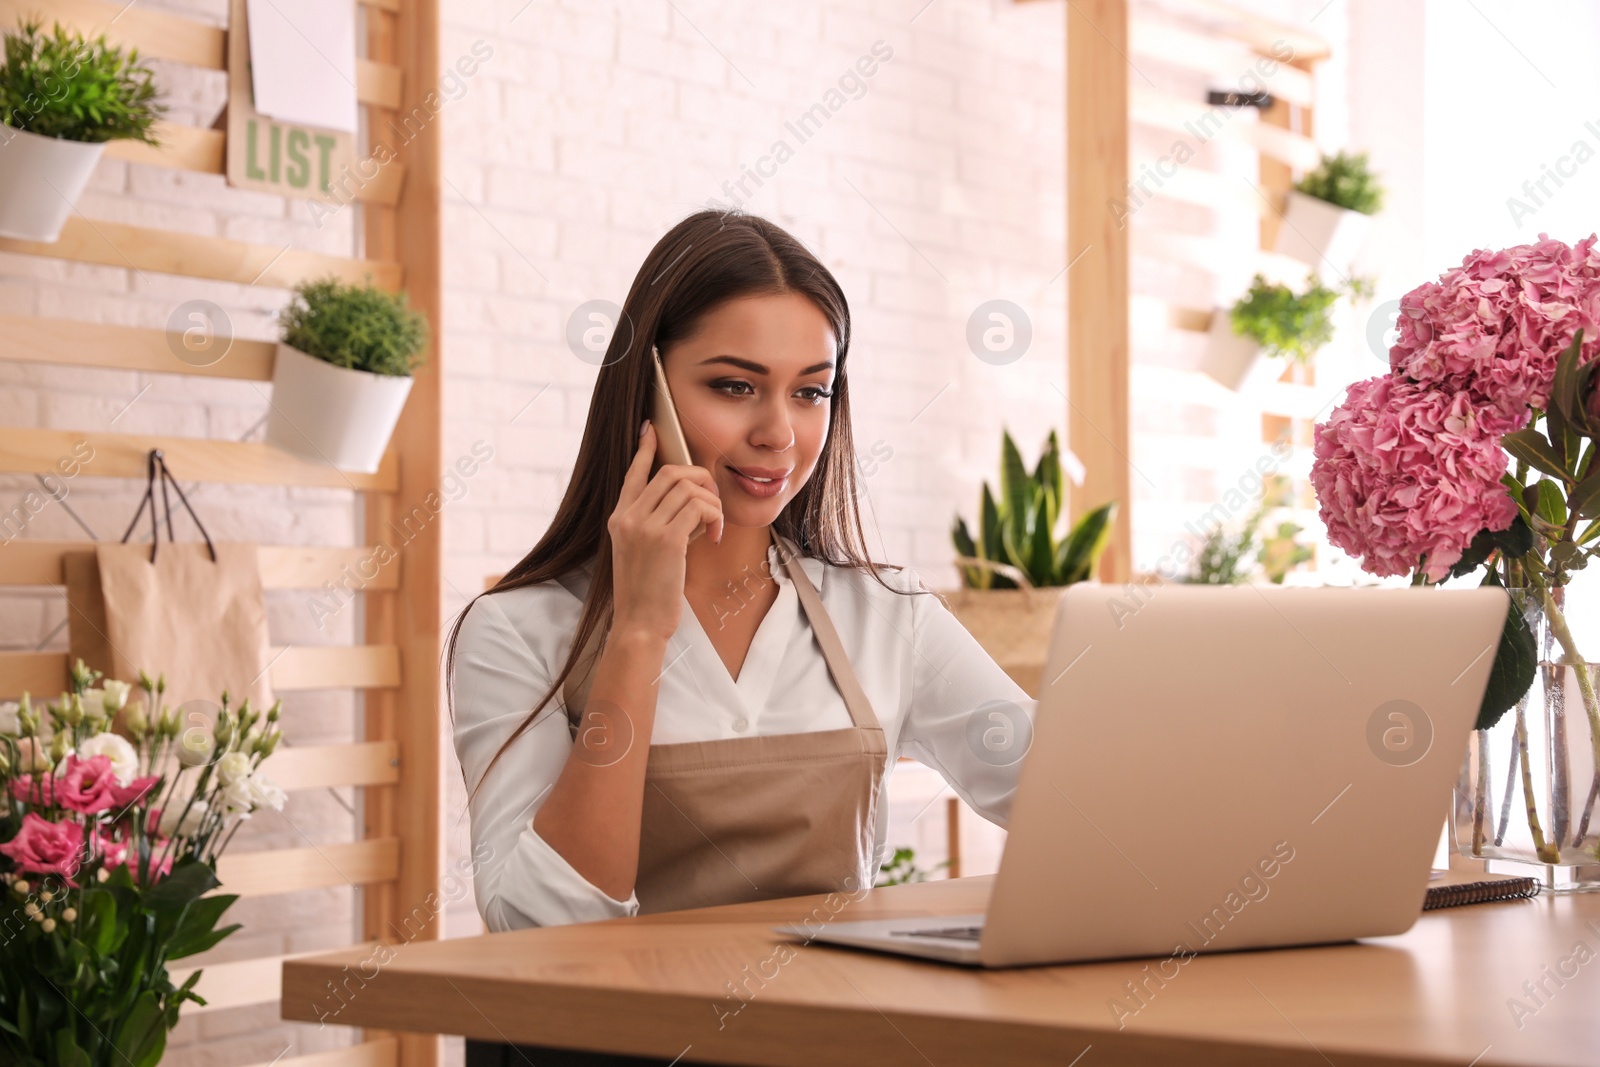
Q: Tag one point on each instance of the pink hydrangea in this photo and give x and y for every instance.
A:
(1495, 325)
(1407, 473)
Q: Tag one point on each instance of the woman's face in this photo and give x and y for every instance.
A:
(752, 391)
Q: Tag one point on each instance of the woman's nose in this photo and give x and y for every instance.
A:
(773, 429)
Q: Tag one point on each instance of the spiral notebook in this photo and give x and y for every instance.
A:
(1449, 889)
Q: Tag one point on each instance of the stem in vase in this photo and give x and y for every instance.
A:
(1545, 852)
(1480, 791)
(1511, 784)
(1580, 666)
(1556, 709)
(1588, 809)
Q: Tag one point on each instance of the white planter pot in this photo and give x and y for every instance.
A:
(333, 415)
(1236, 361)
(40, 180)
(1319, 234)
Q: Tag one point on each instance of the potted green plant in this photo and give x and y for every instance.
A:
(1328, 213)
(1013, 574)
(61, 99)
(343, 372)
(1233, 557)
(1271, 325)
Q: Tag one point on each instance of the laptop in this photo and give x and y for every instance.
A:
(1215, 768)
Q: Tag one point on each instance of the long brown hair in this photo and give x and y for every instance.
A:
(707, 259)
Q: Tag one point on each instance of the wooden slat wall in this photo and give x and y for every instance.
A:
(398, 858)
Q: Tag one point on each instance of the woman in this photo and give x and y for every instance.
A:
(734, 751)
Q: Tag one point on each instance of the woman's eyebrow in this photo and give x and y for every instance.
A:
(756, 368)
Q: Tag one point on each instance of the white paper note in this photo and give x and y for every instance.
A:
(303, 61)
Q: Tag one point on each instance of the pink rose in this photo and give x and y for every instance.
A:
(44, 847)
(122, 796)
(113, 852)
(84, 785)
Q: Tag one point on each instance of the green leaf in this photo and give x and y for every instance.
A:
(1564, 395)
(1041, 563)
(962, 539)
(1584, 499)
(1515, 661)
(195, 934)
(1515, 541)
(1079, 554)
(185, 884)
(140, 1027)
(99, 909)
(68, 1054)
(1048, 474)
(1552, 504)
(993, 538)
(1563, 440)
(1016, 497)
(1529, 446)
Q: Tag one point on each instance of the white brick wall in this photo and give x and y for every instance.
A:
(596, 127)
(591, 130)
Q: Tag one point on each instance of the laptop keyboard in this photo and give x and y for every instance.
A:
(957, 933)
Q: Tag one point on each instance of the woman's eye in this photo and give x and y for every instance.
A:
(813, 393)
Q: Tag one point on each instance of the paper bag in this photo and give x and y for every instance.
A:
(201, 622)
(86, 615)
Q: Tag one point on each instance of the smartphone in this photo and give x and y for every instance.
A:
(671, 445)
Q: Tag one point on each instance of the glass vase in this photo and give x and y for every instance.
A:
(1528, 799)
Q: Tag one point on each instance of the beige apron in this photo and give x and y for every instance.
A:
(754, 818)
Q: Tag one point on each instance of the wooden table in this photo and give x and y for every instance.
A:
(717, 986)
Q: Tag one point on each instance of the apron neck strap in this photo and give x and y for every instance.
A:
(844, 676)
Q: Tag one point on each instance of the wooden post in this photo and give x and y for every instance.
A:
(411, 908)
(1097, 282)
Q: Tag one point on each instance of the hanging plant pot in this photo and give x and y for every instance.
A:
(41, 179)
(334, 415)
(1234, 360)
(1318, 233)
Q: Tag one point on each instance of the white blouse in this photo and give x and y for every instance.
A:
(925, 675)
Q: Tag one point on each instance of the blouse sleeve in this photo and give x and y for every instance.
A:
(968, 720)
(520, 879)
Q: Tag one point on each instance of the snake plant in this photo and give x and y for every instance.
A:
(1018, 529)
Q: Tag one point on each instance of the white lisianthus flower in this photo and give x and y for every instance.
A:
(195, 747)
(9, 723)
(124, 758)
(94, 702)
(114, 696)
(268, 794)
(238, 798)
(190, 824)
(232, 767)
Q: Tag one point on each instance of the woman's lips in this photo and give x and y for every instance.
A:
(759, 489)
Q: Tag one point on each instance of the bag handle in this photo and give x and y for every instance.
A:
(156, 463)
